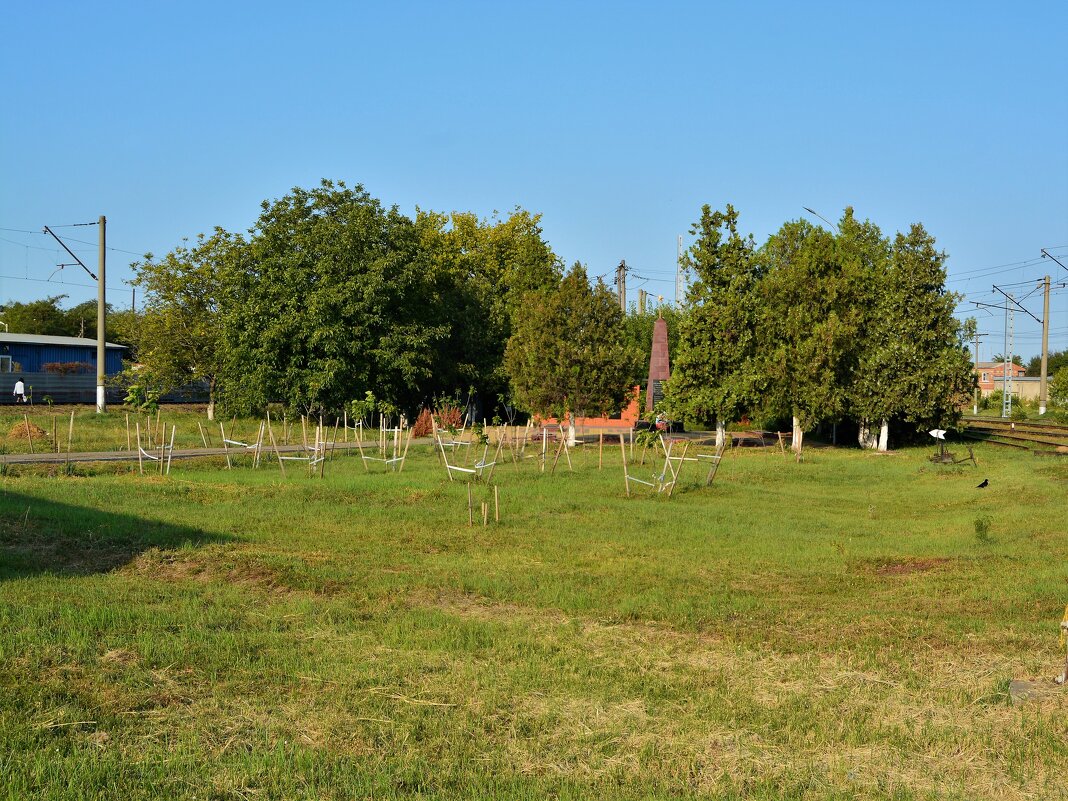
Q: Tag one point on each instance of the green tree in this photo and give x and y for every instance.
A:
(1054, 362)
(914, 364)
(1058, 387)
(44, 317)
(484, 268)
(337, 298)
(715, 373)
(567, 354)
(807, 328)
(179, 334)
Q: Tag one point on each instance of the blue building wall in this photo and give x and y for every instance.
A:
(32, 358)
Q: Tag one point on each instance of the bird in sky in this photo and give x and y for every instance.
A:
(984, 484)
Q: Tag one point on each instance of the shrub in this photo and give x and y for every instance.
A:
(66, 368)
(424, 424)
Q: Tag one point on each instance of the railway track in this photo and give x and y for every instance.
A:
(1031, 435)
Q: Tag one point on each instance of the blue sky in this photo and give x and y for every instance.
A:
(615, 121)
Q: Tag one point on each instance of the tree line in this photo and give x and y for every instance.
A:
(330, 296)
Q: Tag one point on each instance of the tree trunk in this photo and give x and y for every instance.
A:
(865, 438)
(211, 399)
(571, 429)
(884, 435)
(798, 436)
(721, 433)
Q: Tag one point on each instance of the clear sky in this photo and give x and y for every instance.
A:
(615, 121)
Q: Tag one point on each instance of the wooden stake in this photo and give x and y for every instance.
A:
(304, 432)
(346, 415)
(277, 455)
(55, 441)
(470, 507)
(170, 452)
(623, 453)
(496, 506)
(140, 460)
(485, 514)
(226, 451)
(70, 435)
(406, 446)
(128, 432)
(203, 438)
(600, 450)
(29, 439)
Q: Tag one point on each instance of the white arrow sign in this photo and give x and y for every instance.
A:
(937, 433)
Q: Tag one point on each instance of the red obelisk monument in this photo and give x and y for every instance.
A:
(659, 364)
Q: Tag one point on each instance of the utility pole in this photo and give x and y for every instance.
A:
(975, 400)
(621, 285)
(1045, 348)
(101, 314)
(678, 274)
(1006, 364)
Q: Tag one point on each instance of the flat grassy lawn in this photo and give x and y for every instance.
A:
(842, 628)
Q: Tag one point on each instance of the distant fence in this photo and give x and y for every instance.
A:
(81, 388)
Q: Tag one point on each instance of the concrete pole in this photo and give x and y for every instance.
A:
(101, 314)
(1045, 349)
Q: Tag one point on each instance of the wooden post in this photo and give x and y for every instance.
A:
(226, 451)
(632, 444)
(304, 432)
(322, 447)
(470, 507)
(158, 410)
(406, 446)
(485, 514)
(70, 435)
(26, 422)
(600, 450)
(544, 446)
(170, 452)
(202, 437)
(346, 415)
(496, 506)
(140, 460)
(128, 432)
(55, 440)
(333, 439)
(162, 447)
(623, 453)
(277, 455)
(363, 458)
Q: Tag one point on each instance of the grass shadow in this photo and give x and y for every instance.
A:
(44, 536)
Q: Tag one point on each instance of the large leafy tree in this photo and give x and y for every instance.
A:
(337, 299)
(807, 327)
(179, 335)
(715, 374)
(933, 377)
(1054, 362)
(484, 269)
(567, 353)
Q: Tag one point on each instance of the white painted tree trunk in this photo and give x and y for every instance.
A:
(571, 429)
(211, 398)
(721, 433)
(884, 435)
(864, 436)
(798, 436)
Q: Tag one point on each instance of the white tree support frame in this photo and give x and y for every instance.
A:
(163, 457)
(394, 462)
(480, 470)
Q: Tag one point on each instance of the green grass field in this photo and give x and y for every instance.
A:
(842, 628)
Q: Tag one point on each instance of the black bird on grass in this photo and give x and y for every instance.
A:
(984, 485)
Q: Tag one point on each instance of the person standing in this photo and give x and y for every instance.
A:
(20, 391)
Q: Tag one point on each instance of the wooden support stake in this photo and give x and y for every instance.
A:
(544, 447)
(26, 422)
(470, 507)
(170, 452)
(333, 439)
(322, 451)
(162, 447)
(226, 450)
(128, 432)
(632, 444)
(55, 440)
(277, 455)
(407, 444)
(485, 514)
(158, 410)
(304, 432)
(346, 417)
(623, 453)
(70, 435)
(600, 450)
(496, 506)
(202, 437)
(140, 459)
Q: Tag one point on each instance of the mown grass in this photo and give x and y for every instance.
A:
(840, 628)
